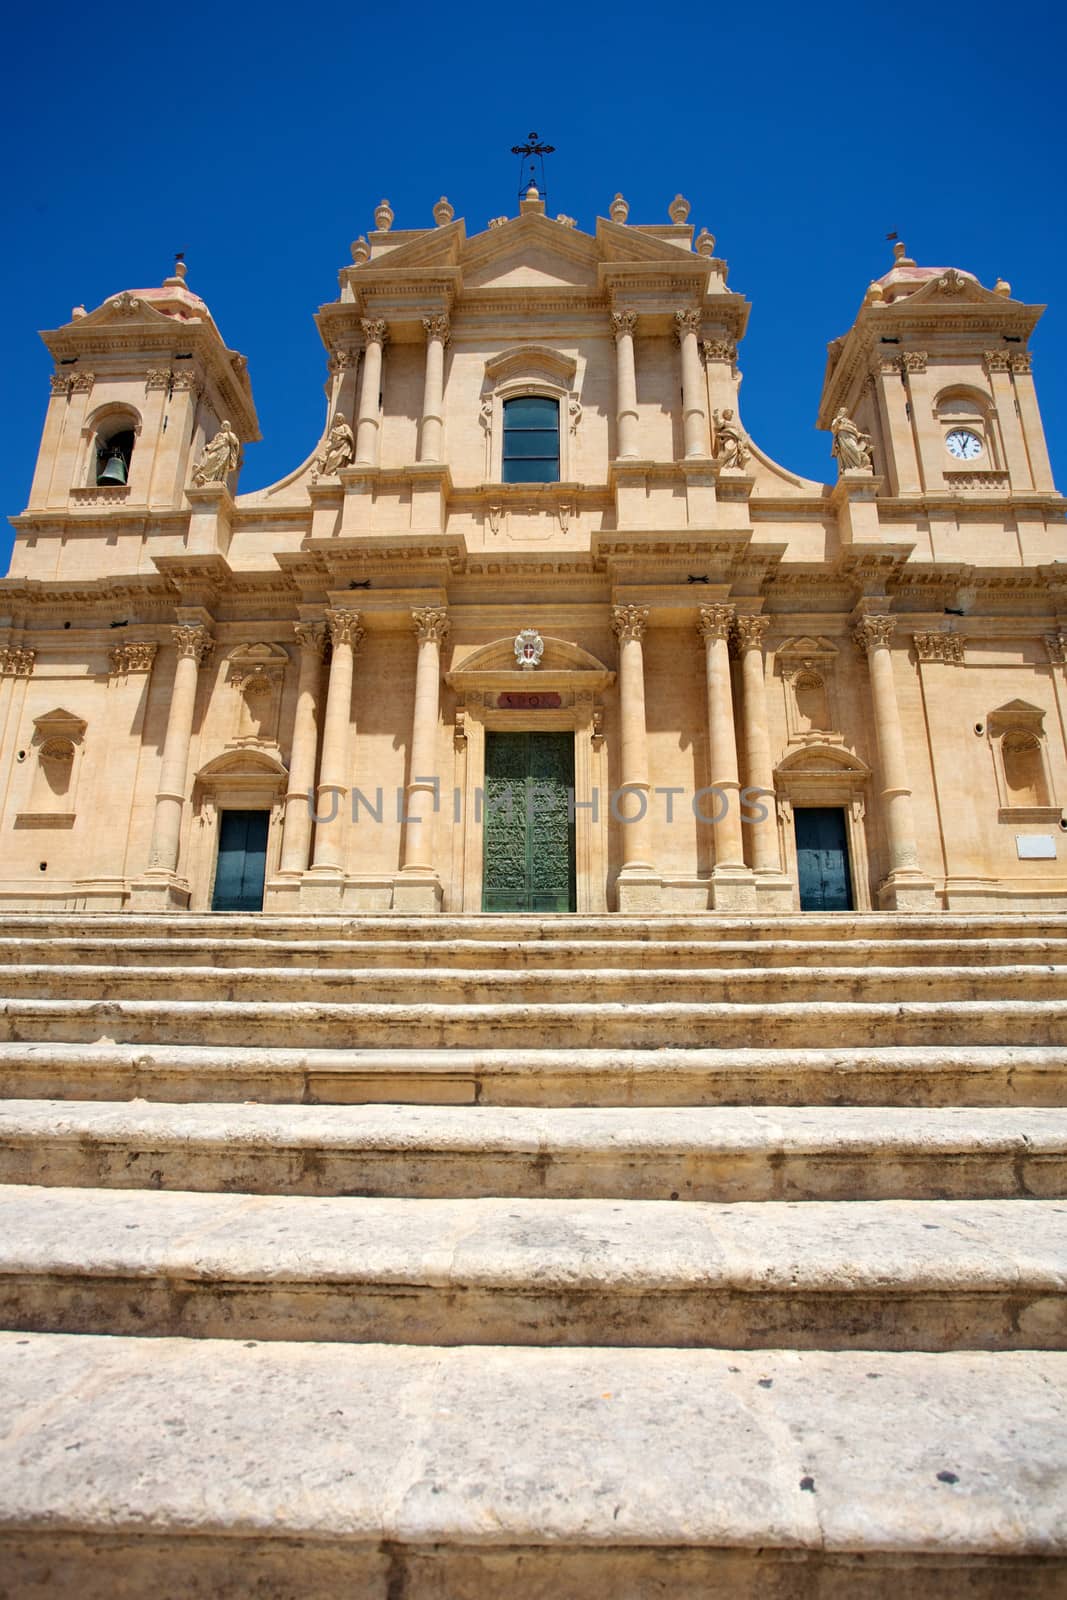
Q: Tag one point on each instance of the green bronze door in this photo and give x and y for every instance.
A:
(528, 834)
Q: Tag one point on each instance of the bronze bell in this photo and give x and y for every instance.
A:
(114, 471)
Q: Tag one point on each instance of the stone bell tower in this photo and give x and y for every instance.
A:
(139, 384)
(936, 370)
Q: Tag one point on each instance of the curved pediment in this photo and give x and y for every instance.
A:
(243, 765)
(822, 759)
(563, 665)
(532, 361)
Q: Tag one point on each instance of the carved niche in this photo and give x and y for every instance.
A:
(1019, 746)
(57, 751)
(256, 673)
(806, 666)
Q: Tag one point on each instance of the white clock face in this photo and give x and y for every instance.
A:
(963, 444)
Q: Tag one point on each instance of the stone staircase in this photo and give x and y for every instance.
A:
(551, 1258)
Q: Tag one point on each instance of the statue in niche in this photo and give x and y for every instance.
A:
(340, 447)
(730, 445)
(851, 447)
(219, 457)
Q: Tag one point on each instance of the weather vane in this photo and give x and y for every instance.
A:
(534, 152)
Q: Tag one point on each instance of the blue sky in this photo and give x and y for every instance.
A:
(259, 141)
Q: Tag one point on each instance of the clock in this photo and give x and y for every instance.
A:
(963, 444)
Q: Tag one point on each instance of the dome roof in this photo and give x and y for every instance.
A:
(904, 277)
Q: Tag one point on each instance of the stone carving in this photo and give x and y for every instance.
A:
(375, 329)
(565, 221)
(945, 646)
(341, 361)
(185, 380)
(443, 212)
(340, 448)
(431, 624)
(157, 378)
(344, 627)
(310, 636)
(913, 361)
(629, 622)
(952, 283)
(81, 382)
(529, 648)
(1022, 361)
(15, 663)
(60, 382)
(871, 632)
(977, 480)
(126, 304)
(564, 513)
(679, 209)
(485, 414)
(716, 622)
(136, 656)
(497, 222)
(360, 251)
(997, 361)
(596, 734)
(619, 210)
(623, 322)
(493, 515)
(575, 409)
(685, 323)
(193, 641)
(851, 446)
(218, 458)
(729, 445)
(749, 631)
(719, 350)
(1056, 645)
(705, 243)
(459, 731)
(437, 328)
(383, 216)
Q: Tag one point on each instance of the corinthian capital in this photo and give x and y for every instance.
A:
(716, 622)
(719, 350)
(193, 641)
(749, 632)
(375, 330)
(913, 361)
(946, 647)
(1056, 645)
(344, 627)
(310, 636)
(437, 328)
(686, 322)
(431, 624)
(623, 323)
(629, 622)
(15, 663)
(137, 656)
(870, 632)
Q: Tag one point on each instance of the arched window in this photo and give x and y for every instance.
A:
(531, 440)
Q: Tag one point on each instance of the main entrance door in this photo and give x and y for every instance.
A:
(242, 861)
(528, 833)
(822, 859)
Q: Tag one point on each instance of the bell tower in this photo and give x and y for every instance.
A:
(936, 370)
(139, 384)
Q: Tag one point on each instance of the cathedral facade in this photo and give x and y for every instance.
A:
(538, 626)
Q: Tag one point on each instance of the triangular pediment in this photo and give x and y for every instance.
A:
(530, 252)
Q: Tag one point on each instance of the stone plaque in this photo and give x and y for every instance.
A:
(519, 700)
(1035, 846)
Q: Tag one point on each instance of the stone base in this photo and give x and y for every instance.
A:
(638, 894)
(322, 889)
(732, 890)
(162, 891)
(775, 894)
(907, 892)
(417, 895)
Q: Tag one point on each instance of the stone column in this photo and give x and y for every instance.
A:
(433, 393)
(624, 323)
(376, 332)
(906, 889)
(714, 628)
(296, 836)
(345, 636)
(194, 645)
(759, 771)
(629, 622)
(423, 893)
(694, 420)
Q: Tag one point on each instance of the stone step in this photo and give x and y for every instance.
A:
(974, 1075)
(155, 1467)
(274, 1024)
(450, 986)
(881, 1275)
(528, 955)
(697, 1153)
(495, 930)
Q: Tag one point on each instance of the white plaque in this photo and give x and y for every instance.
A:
(1035, 846)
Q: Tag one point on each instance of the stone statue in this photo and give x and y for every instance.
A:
(731, 448)
(219, 457)
(340, 447)
(851, 447)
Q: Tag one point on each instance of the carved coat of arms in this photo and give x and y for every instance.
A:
(529, 648)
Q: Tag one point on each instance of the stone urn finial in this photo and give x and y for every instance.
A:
(705, 245)
(875, 293)
(443, 212)
(383, 216)
(1003, 287)
(679, 208)
(619, 210)
(360, 251)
